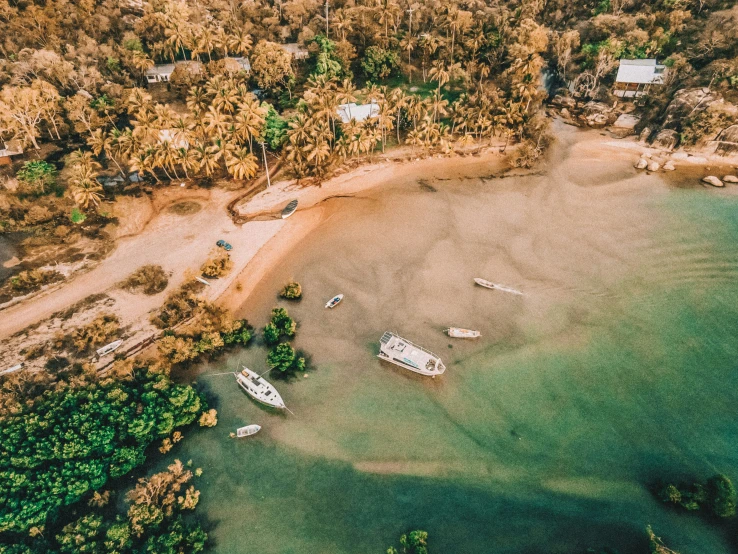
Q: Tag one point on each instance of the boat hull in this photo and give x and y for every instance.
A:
(410, 356)
(335, 301)
(457, 333)
(245, 381)
(494, 286)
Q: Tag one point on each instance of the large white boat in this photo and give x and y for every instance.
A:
(404, 353)
(259, 389)
(490, 285)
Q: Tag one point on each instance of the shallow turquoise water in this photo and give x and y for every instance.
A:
(615, 369)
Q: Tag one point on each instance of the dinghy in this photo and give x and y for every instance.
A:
(108, 348)
(259, 389)
(491, 285)
(333, 302)
(247, 431)
(289, 209)
(459, 333)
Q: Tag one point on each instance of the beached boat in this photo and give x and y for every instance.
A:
(247, 431)
(459, 333)
(404, 353)
(333, 302)
(491, 285)
(259, 389)
(289, 209)
(108, 348)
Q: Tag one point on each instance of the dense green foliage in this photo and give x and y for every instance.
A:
(39, 176)
(70, 442)
(291, 291)
(717, 495)
(282, 356)
(275, 128)
(415, 542)
(281, 326)
(379, 63)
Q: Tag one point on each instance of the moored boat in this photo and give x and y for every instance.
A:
(333, 302)
(459, 333)
(404, 353)
(246, 431)
(108, 348)
(259, 389)
(289, 209)
(490, 285)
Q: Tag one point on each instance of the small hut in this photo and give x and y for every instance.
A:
(635, 77)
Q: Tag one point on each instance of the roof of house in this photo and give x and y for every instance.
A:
(640, 71)
(12, 148)
(296, 49)
(359, 112)
(244, 63)
(161, 69)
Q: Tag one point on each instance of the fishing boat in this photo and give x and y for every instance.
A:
(394, 349)
(459, 333)
(259, 389)
(289, 209)
(490, 285)
(247, 431)
(333, 302)
(108, 348)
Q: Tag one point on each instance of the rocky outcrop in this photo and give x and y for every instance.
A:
(666, 139)
(564, 102)
(688, 102)
(730, 179)
(653, 165)
(727, 141)
(626, 121)
(642, 163)
(669, 166)
(712, 180)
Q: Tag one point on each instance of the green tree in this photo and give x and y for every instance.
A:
(721, 496)
(275, 128)
(415, 542)
(379, 63)
(283, 358)
(39, 176)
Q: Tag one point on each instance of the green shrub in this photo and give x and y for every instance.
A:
(284, 359)
(721, 496)
(38, 176)
(291, 291)
(77, 215)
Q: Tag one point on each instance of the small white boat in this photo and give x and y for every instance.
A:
(247, 431)
(491, 285)
(289, 209)
(108, 348)
(333, 302)
(259, 389)
(459, 333)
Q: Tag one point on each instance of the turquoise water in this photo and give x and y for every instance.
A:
(615, 369)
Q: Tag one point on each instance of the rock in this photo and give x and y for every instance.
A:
(642, 163)
(666, 139)
(565, 112)
(597, 120)
(730, 179)
(653, 165)
(688, 102)
(645, 134)
(564, 101)
(669, 166)
(712, 180)
(626, 121)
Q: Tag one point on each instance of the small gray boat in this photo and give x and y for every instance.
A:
(289, 209)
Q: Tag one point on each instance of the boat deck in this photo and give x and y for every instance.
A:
(404, 353)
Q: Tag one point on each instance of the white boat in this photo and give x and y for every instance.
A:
(259, 389)
(108, 348)
(491, 285)
(404, 353)
(333, 302)
(459, 333)
(247, 431)
(289, 209)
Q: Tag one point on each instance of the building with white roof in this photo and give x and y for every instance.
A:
(636, 76)
(358, 112)
(160, 73)
(297, 51)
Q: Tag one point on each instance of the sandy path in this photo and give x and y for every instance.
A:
(175, 242)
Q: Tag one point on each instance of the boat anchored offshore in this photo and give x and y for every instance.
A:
(259, 389)
(490, 285)
(404, 353)
(247, 431)
(333, 302)
(458, 333)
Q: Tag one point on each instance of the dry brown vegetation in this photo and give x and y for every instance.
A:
(149, 279)
(218, 264)
(179, 306)
(100, 331)
(30, 280)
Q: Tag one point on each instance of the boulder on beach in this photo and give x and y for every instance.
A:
(564, 101)
(626, 121)
(653, 165)
(666, 139)
(642, 163)
(645, 134)
(712, 180)
(730, 179)
(689, 102)
(669, 166)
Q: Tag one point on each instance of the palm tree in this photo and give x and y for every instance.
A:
(187, 160)
(240, 42)
(197, 99)
(141, 62)
(217, 122)
(83, 183)
(408, 43)
(241, 163)
(207, 158)
(342, 22)
(177, 36)
(138, 100)
(398, 100)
